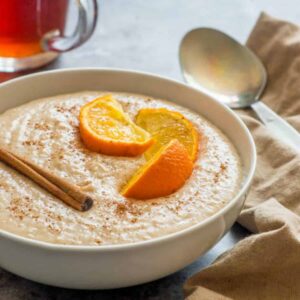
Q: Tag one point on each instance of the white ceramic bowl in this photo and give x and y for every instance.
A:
(103, 267)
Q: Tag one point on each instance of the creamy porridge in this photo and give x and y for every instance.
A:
(46, 132)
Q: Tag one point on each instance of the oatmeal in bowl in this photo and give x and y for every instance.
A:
(46, 132)
(161, 172)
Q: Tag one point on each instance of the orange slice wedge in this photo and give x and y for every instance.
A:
(106, 128)
(166, 125)
(162, 175)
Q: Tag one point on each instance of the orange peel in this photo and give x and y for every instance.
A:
(164, 173)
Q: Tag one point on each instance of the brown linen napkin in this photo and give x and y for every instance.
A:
(266, 265)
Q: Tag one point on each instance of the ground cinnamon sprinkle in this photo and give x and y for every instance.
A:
(18, 206)
(62, 109)
(32, 143)
(175, 209)
(52, 228)
(133, 210)
(74, 109)
(223, 168)
(133, 220)
(121, 208)
(41, 126)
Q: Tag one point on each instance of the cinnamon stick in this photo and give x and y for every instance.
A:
(62, 189)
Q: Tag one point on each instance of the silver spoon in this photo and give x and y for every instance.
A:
(228, 71)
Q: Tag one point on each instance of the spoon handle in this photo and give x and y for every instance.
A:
(277, 125)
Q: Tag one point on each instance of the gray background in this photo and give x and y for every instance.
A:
(145, 35)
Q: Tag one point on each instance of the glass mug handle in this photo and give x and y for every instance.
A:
(87, 19)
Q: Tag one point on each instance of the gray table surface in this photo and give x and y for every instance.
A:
(145, 35)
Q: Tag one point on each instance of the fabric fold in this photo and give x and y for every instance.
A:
(265, 265)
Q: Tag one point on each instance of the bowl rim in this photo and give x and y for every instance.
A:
(165, 238)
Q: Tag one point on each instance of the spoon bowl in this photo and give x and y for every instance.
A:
(221, 67)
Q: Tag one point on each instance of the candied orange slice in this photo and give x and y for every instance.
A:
(106, 128)
(165, 125)
(163, 174)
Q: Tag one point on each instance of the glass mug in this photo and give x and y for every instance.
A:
(32, 31)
